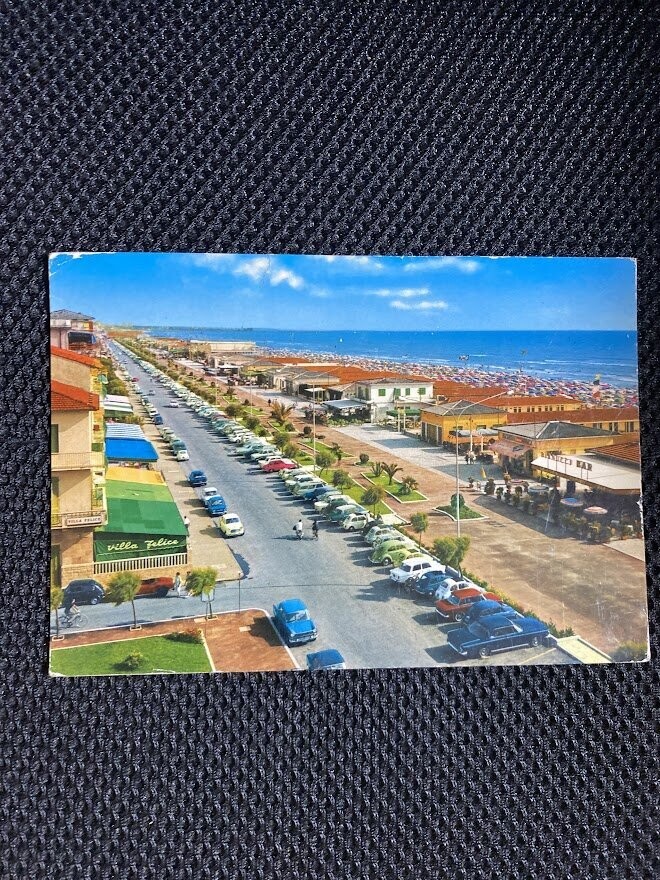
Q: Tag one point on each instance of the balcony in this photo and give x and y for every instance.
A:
(77, 461)
(96, 515)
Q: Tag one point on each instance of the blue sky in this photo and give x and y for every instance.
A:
(340, 293)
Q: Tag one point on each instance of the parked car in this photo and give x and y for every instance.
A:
(207, 492)
(300, 479)
(301, 488)
(392, 553)
(197, 478)
(356, 521)
(450, 585)
(330, 658)
(413, 568)
(488, 607)
(85, 591)
(326, 504)
(294, 473)
(157, 419)
(155, 586)
(495, 633)
(390, 535)
(182, 455)
(278, 464)
(230, 525)
(339, 514)
(315, 493)
(429, 583)
(293, 621)
(216, 505)
(456, 606)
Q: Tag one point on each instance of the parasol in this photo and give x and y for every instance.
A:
(571, 502)
(596, 511)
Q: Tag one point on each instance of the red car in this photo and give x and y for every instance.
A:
(156, 586)
(459, 603)
(279, 464)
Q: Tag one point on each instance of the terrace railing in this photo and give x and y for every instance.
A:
(172, 560)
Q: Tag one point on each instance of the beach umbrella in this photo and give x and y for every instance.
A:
(571, 502)
(595, 511)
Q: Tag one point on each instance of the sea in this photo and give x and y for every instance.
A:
(562, 354)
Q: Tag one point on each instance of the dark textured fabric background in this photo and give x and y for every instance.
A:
(318, 127)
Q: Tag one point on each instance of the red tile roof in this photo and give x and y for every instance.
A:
(74, 356)
(621, 452)
(588, 415)
(535, 400)
(69, 398)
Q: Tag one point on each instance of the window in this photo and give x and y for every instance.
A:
(407, 392)
(382, 392)
(397, 392)
(421, 391)
(629, 427)
(54, 438)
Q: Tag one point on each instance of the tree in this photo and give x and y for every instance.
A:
(420, 523)
(337, 451)
(408, 485)
(373, 497)
(281, 438)
(251, 422)
(201, 580)
(122, 587)
(289, 450)
(391, 470)
(324, 460)
(451, 551)
(341, 479)
(233, 410)
(56, 601)
(280, 412)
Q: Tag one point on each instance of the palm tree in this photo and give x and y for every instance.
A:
(408, 485)
(376, 468)
(420, 523)
(201, 581)
(337, 451)
(56, 599)
(373, 497)
(391, 470)
(280, 412)
(122, 587)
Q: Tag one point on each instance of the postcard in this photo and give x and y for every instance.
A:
(314, 463)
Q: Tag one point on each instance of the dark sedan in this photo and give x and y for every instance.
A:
(85, 591)
(497, 633)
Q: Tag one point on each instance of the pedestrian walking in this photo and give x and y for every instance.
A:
(186, 523)
(298, 529)
(315, 530)
(178, 585)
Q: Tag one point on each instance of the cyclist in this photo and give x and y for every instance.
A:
(72, 611)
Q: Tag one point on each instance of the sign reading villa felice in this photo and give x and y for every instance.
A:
(94, 519)
(109, 546)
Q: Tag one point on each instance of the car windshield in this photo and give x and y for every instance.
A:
(232, 519)
(296, 615)
(480, 631)
(452, 600)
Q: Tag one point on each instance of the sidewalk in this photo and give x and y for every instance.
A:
(237, 641)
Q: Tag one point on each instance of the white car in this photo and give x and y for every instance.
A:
(414, 567)
(450, 585)
(375, 531)
(230, 525)
(182, 455)
(207, 492)
(356, 521)
(174, 404)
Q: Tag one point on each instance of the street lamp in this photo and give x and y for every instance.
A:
(458, 415)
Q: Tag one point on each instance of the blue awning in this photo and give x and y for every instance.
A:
(128, 449)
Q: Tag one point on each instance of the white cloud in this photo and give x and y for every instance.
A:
(403, 292)
(423, 306)
(371, 263)
(284, 276)
(319, 293)
(255, 268)
(423, 264)
(218, 262)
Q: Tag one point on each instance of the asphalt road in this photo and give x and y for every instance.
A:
(352, 603)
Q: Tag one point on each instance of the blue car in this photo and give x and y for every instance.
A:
(496, 633)
(197, 478)
(328, 659)
(316, 492)
(292, 619)
(487, 607)
(216, 505)
(428, 583)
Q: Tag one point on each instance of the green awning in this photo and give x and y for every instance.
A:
(408, 412)
(143, 520)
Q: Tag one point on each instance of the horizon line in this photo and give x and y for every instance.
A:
(377, 330)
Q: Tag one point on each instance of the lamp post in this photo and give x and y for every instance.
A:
(458, 415)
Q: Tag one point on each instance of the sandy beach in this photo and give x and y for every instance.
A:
(516, 381)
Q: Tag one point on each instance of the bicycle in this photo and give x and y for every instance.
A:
(74, 621)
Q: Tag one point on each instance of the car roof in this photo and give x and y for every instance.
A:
(290, 605)
(327, 657)
(466, 592)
